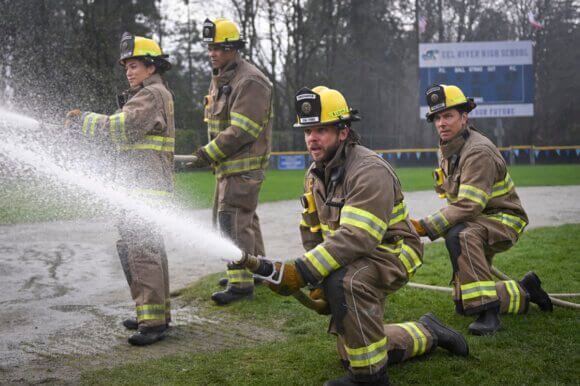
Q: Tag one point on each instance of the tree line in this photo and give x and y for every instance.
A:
(59, 54)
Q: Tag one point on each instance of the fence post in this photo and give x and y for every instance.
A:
(512, 156)
(532, 155)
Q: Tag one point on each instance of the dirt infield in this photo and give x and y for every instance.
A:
(63, 293)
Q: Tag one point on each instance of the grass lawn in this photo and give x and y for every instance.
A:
(196, 188)
(536, 348)
(21, 203)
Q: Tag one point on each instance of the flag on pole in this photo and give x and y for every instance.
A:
(534, 23)
(422, 24)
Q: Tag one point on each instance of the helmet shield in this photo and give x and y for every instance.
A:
(127, 46)
(436, 98)
(208, 33)
(308, 107)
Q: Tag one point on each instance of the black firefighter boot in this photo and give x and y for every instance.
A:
(232, 294)
(446, 337)
(130, 324)
(379, 379)
(487, 323)
(148, 335)
(533, 286)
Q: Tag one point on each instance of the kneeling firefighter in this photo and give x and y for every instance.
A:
(360, 245)
(484, 215)
(142, 134)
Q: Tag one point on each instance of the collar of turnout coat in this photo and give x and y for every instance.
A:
(454, 146)
(224, 75)
(155, 78)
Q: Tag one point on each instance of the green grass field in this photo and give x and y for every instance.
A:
(536, 348)
(22, 203)
(196, 188)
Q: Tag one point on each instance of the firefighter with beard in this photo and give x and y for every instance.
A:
(360, 245)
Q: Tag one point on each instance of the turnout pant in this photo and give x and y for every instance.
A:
(236, 210)
(142, 253)
(356, 295)
(471, 247)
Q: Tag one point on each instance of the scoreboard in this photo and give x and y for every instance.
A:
(499, 76)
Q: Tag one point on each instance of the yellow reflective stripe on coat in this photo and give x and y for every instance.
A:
(118, 121)
(322, 260)
(242, 165)
(90, 123)
(400, 212)
(478, 289)
(213, 151)
(367, 356)
(364, 220)
(513, 222)
(150, 312)
(214, 126)
(410, 259)
(392, 248)
(474, 194)
(514, 294)
(245, 123)
(438, 221)
(239, 276)
(326, 231)
(153, 142)
(502, 187)
(419, 339)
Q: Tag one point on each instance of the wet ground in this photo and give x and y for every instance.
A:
(63, 293)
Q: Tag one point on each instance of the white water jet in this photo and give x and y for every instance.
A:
(17, 148)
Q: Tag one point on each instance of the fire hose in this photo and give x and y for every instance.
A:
(264, 269)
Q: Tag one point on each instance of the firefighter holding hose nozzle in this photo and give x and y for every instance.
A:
(360, 246)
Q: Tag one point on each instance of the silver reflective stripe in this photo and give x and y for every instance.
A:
(363, 219)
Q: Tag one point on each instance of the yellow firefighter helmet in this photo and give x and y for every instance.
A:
(222, 32)
(146, 49)
(322, 106)
(442, 97)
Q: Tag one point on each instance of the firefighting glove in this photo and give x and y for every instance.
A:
(317, 294)
(291, 280)
(72, 118)
(201, 160)
(418, 227)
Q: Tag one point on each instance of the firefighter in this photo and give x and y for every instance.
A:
(360, 245)
(142, 133)
(484, 215)
(238, 113)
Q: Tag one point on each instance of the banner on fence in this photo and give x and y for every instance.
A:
(291, 162)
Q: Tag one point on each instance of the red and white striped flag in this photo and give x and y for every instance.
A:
(535, 24)
(422, 24)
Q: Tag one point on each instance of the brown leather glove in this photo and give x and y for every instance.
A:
(418, 227)
(291, 280)
(201, 160)
(317, 294)
(72, 118)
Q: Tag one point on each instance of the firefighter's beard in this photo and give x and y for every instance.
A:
(329, 152)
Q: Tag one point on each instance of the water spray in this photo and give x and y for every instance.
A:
(22, 149)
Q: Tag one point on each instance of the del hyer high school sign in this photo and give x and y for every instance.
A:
(498, 75)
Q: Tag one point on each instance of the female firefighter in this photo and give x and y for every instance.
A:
(142, 136)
